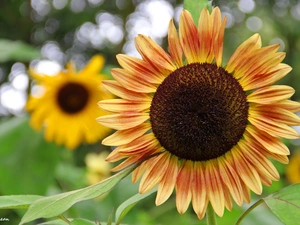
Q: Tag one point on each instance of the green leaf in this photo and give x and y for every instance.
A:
(126, 206)
(25, 159)
(17, 201)
(83, 222)
(110, 218)
(17, 51)
(57, 204)
(285, 204)
(195, 7)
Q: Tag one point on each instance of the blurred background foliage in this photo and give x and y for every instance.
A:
(46, 34)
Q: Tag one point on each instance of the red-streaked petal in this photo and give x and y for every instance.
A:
(189, 39)
(131, 82)
(231, 179)
(205, 27)
(167, 183)
(117, 89)
(218, 34)
(253, 155)
(138, 172)
(259, 61)
(121, 105)
(145, 143)
(199, 194)
(288, 105)
(269, 142)
(183, 184)
(174, 45)
(271, 127)
(247, 173)
(122, 137)
(267, 78)
(154, 54)
(123, 121)
(140, 68)
(214, 187)
(278, 115)
(271, 94)
(153, 173)
(252, 43)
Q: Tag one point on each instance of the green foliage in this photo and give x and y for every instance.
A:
(17, 51)
(285, 204)
(25, 159)
(126, 206)
(55, 205)
(17, 201)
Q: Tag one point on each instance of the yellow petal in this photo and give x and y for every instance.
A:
(123, 121)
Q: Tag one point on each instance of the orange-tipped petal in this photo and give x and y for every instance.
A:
(183, 183)
(188, 35)
(175, 49)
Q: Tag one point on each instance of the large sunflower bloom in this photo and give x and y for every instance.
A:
(67, 107)
(205, 129)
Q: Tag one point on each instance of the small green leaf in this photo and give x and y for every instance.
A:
(285, 204)
(110, 218)
(57, 204)
(82, 222)
(126, 206)
(17, 50)
(195, 7)
(17, 201)
(54, 222)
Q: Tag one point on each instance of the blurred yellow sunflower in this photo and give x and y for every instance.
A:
(293, 168)
(97, 168)
(201, 128)
(66, 105)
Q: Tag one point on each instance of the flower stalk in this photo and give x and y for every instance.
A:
(210, 215)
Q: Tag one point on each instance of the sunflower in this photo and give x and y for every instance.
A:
(66, 105)
(293, 168)
(206, 130)
(97, 168)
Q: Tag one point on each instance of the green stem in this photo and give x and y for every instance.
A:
(62, 217)
(248, 211)
(210, 215)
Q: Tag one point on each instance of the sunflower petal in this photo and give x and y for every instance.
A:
(153, 173)
(140, 68)
(131, 82)
(218, 34)
(174, 45)
(154, 54)
(183, 183)
(123, 121)
(199, 194)
(117, 89)
(270, 143)
(247, 173)
(167, 184)
(252, 43)
(188, 35)
(271, 94)
(122, 137)
(214, 187)
(94, 66)
(121, 105)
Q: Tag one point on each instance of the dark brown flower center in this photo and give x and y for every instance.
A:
(72, 97)
(199, 112)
